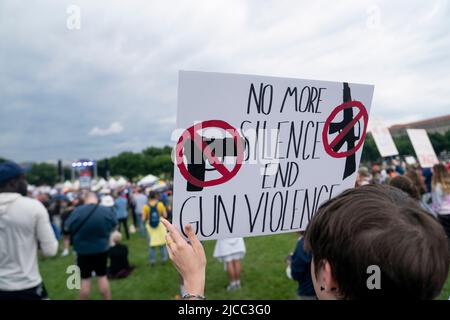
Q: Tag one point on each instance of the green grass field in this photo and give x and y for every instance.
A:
(263, 274)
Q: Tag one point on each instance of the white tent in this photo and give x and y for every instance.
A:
(112, 183)
(76, 185)
(147, 181)
(159, 186)
(122, 182)
(101, 182)
(98, 184)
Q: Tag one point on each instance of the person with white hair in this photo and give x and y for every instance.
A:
(118, 256)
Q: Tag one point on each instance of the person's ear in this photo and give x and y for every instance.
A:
(328, 284)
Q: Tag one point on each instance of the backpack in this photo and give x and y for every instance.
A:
(154, 215)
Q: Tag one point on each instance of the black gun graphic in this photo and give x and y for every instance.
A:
(350, 138)
(196, 162)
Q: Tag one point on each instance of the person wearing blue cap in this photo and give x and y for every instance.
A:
(24, 227)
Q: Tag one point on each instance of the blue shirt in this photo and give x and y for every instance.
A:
(301, 270)
(164, 198)
(427, 173)
(121, 205)
(93, 237)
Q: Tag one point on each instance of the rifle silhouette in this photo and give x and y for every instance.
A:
(350, 138)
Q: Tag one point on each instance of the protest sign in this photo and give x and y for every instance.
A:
(258, 155)
(423, 148)
(383, 139)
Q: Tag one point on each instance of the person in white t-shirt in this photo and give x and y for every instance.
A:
(24, 228)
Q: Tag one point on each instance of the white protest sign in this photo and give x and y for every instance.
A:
(258, 155)
(423, 148)
(383, 139)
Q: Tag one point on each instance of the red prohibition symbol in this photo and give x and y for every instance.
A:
(361, 114)
(191, 133)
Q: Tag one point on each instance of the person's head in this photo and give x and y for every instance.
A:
(441, 176)
(406, 185)
(416, 179)
(90, 198)
(362, 177)
(363, 172)
(12, 178)
(375, 168)
(79, 200)
(153, 195)
(107, 201)
(390, 171)
(379, 227)
(116, 237)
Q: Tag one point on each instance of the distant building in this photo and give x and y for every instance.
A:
(439, 124)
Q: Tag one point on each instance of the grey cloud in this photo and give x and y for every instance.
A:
(57, 84)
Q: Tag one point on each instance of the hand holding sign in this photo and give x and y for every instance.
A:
(189, 259)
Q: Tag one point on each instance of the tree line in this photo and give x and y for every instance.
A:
(157, 161)
(370, 153)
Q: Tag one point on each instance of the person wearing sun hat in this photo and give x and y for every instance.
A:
(25, 226)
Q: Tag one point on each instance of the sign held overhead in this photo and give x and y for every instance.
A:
(423, 147)
(258, 155)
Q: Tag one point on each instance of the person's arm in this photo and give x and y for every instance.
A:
(189, 259)
(44, 233)
(145, 210)
(162, 210)
(114, 221)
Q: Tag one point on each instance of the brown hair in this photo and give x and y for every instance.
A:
(379, 225)
(406, 185)
(416, 179)
(441, 176)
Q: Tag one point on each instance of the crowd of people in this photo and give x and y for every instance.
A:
(429, 188)
(397, 218)
(92, 223)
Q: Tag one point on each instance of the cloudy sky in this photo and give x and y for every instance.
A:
(107, 82)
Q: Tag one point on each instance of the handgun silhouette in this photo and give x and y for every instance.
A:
(196, 162)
